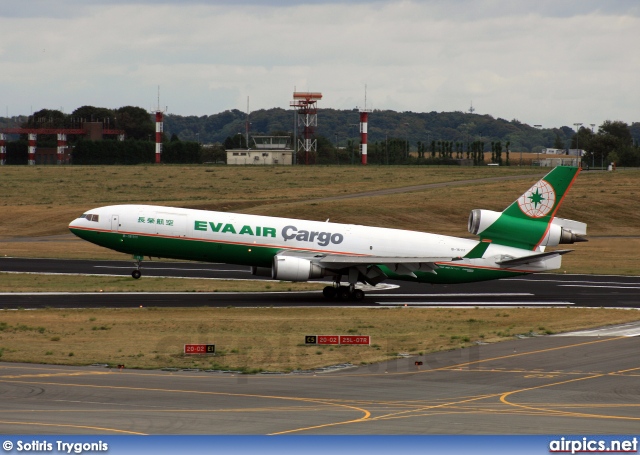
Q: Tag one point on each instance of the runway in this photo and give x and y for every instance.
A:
(531, 290)
(545, 385)
(580, 383)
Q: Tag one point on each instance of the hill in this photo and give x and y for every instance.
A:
(338, 126)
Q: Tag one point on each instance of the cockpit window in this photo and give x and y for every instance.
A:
(90, 217)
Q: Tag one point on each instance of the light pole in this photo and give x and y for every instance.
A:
(593, 156)
(539, 127)
(577, 125)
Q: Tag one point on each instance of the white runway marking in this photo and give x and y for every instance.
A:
(535, 280)
(479, 304)
(480, 294)
(181, 269)
(598, 286)
(631, 329)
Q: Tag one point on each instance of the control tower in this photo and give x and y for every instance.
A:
(306, 106)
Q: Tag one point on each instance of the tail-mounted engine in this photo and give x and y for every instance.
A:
(525, 232)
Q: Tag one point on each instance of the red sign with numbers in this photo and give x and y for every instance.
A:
(328, 339)
(343, 339)
(199, 348)
(355, 339)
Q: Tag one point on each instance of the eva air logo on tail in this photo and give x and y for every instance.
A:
(525, 223)
(538, 201)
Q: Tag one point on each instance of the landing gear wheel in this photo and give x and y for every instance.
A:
(358, 294)
(329, 292)
(343, 293)
(136, 274)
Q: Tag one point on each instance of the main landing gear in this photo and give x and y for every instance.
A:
(343, 292)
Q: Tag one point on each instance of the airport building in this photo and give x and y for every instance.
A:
(266, 150)
(94, 131)
(562, 157)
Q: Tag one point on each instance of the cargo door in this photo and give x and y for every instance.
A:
(171, 224)
(115, 223)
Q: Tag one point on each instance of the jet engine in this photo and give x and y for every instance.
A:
(560, 231)
(292, 268)
(479, 220)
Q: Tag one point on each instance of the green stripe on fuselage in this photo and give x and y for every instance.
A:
(181, 248)
(260, 256)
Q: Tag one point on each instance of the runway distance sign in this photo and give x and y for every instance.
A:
(337, 339)
(199, 348)
(328, 339)
(355, 339)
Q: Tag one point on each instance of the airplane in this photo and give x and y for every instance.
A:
(511, 243)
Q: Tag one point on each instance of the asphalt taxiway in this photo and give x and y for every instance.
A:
(544, 385)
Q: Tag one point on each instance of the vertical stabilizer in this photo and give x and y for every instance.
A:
(527, 222)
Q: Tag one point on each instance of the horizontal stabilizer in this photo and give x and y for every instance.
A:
(575, 227)
(532, 258)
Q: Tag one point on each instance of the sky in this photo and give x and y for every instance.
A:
(548, 62)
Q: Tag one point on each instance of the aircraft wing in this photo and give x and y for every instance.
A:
(532, 258)
(347, 260)
(401, 265)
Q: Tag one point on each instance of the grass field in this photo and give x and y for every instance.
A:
(270, 339)
(39, 201)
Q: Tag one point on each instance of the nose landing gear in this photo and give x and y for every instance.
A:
(136, 274)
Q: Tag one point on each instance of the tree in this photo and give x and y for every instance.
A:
(47, 118)
(325, 151)
(237, 141)
(617, 129)
(92, 114)
(582, 139)
(136, 122)
(558, 142)
(507, 151)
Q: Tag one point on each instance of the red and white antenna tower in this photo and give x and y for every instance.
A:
(364, 120)
(159, 129)
(3, 149)
(306, 105)
(32, 148)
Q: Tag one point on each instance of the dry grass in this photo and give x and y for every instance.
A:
(606, 201)
(42, 200)
(154, 338)
(21, 282)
